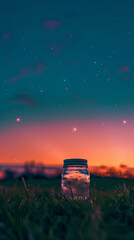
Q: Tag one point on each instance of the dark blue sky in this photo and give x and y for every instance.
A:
(66, 59)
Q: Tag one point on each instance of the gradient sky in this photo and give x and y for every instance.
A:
(67, 81)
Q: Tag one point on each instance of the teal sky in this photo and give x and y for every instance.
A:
(66, 59)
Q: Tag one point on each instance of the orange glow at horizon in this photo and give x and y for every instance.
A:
(110, 143)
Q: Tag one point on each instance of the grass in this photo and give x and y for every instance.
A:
(37, 210)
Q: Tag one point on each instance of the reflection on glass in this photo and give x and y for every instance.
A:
(75, 182)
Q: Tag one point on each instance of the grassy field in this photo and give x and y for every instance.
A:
(37, 210)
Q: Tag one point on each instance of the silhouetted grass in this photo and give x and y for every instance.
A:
(32, 211)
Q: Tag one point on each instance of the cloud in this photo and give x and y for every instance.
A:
(123, 166)
(25, 72)
(121, 171)
(25, 98)
(51, 24)
(103, 167)
(6, 36)
(123, 69)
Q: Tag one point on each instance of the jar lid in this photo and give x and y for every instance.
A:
(75, 161)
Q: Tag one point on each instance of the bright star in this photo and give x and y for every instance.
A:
(74, 129)
(18, 119)
(124, 122)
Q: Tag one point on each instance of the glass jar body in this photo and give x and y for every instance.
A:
(75, 182)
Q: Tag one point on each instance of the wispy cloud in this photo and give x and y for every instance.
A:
(25, 72)
(25, 98)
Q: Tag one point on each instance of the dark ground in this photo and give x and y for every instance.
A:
(37, 210)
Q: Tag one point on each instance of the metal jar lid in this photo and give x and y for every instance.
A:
(75, 162)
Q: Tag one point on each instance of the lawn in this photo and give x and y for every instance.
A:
(37, 210)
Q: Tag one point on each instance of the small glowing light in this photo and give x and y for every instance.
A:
(18, 119)
(124, 122)
(74, 129)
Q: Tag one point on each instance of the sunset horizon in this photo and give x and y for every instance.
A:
(101, 142)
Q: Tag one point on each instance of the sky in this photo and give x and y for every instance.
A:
(67, 81)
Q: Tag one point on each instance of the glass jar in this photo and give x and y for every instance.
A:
(75, 179)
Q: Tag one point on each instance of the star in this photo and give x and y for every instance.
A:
(74, 129)
(18, 119)
(124, 122)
